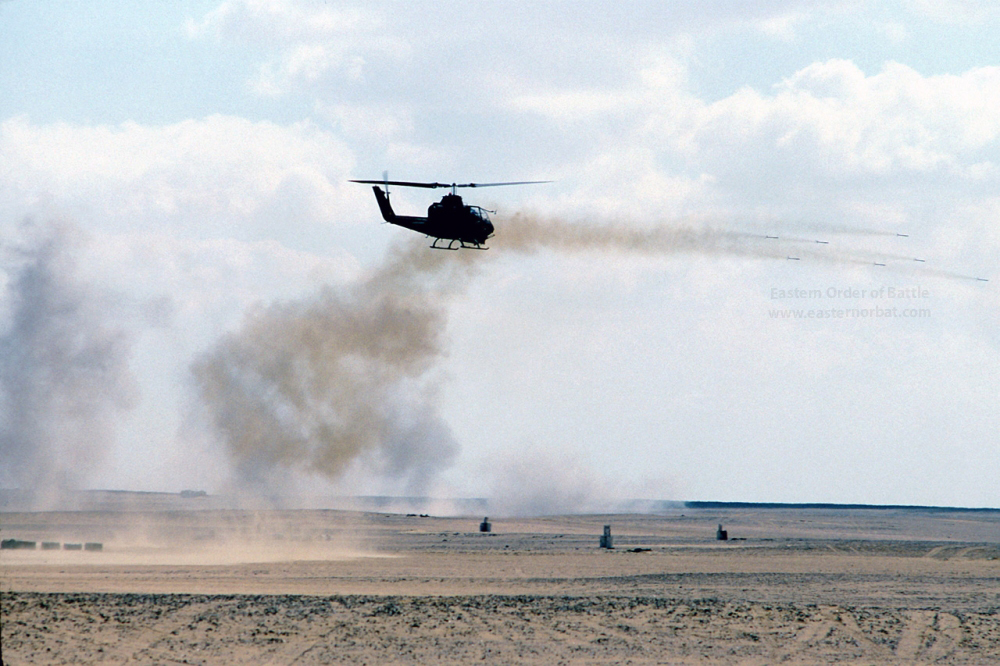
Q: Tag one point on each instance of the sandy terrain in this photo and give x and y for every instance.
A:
(217, 586)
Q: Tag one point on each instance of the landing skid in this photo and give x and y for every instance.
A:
(460, 244)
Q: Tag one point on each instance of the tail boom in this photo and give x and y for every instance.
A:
(405, 221)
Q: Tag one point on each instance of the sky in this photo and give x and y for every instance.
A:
(187, 277)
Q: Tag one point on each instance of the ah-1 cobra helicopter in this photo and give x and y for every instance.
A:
(447, 220)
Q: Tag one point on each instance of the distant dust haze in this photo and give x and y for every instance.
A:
(64, 374)
(344, 380)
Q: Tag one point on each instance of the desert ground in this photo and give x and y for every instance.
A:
(223, 586)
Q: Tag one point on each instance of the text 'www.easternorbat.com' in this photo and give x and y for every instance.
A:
(850, 313)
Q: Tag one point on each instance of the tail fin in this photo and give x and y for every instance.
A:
(383, 203)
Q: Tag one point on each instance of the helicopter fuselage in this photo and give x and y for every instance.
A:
(449, 219)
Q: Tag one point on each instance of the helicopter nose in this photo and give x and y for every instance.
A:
(489, 229)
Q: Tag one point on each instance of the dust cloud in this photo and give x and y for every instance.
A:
(321, 384)
(348, 376)
(535, 483)
(64, 373)
(346, 380)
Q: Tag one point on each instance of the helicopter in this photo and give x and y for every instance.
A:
(450, 219)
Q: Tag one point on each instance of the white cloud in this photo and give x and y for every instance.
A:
(826, 130)
(659, 81)
(830, 113)
(896, 33)
(897, 108)
(286, 20)
(954, 11)
(220, 176)
(310, 41)
(382, 123)
(781, 26)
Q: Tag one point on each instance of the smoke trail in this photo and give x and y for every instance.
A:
(63, 366)
(829, 228)
(527, 234)
(315, 385)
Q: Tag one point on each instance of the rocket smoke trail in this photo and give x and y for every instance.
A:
(63, 367)
(315, 385)
(526, 234)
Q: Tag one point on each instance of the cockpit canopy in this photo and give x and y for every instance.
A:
(481, 213)
(451, 208)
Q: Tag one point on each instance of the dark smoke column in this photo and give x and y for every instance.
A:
(315, 385)
(64, 372)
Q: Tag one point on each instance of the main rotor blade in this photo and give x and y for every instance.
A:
(401, 183)
(518, 182)
(406, 183)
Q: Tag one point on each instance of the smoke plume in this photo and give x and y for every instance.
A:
(318, 384)
(64, 372)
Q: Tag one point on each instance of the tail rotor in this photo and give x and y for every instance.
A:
(385, 180)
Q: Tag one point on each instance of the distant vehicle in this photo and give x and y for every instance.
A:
(447, 220)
